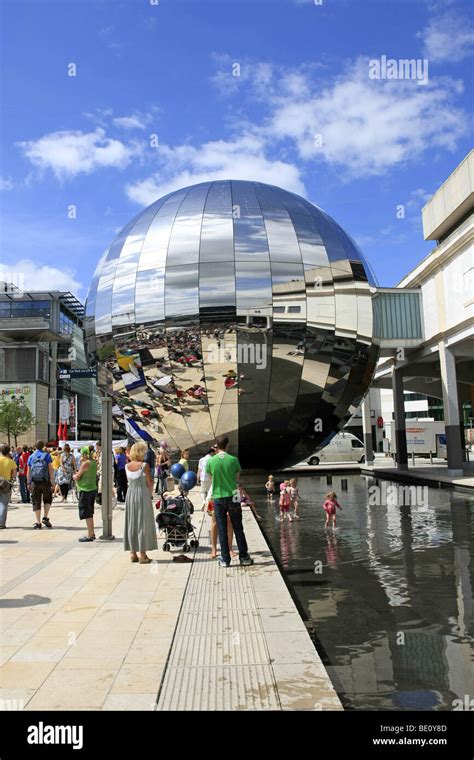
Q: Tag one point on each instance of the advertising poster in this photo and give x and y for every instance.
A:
(22, 392)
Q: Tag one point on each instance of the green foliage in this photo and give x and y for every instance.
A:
(15, 419)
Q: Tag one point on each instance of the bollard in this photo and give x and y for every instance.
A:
(329, 480)
(344, 484)
(107, 469)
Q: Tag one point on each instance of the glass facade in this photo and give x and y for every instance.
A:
(234, 308)
(17, 309)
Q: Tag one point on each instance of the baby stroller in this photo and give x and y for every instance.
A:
(174, 518)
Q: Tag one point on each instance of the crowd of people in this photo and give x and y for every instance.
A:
(46, 473)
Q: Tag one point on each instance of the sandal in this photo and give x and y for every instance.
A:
(145, 560)
(134, 558)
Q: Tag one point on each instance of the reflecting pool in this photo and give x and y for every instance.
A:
(387, 595)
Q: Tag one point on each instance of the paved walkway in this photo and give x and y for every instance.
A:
(421, 471)
(82, 628)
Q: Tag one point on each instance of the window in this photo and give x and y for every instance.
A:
(18, 365)
(21, 308)
(66, 324)
(294, 310)
(356, 444)
(278, 309)
(41, 308)
(17, 309)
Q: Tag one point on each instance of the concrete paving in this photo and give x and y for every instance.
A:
(436, 474)
(82, 628)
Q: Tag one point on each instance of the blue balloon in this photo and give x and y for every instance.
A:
(188, 480)
(176, 470)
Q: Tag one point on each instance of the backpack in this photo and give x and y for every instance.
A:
(38, 468)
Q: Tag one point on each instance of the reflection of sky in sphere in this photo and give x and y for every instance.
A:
(259, 272)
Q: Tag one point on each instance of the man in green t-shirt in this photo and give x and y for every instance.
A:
(86, 484)
(224, 469)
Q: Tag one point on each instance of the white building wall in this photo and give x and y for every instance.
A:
(459, 301)
(430, 308)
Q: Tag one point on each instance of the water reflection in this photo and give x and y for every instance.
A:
(392, 607)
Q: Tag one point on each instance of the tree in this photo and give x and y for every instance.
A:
(15, 419)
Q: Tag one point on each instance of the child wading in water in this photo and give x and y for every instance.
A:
(285, 501)
(329, 507)
(294, 497)
(270, 486)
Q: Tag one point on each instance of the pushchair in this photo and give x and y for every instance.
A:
(174, 519)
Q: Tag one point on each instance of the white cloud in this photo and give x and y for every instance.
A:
(6, 183)
(367, 127)
(129, 122)
(448, 38)
(241, 158)
(232, 73)
(361, 126)
(29, 275)
(70, 153)
(418, 198)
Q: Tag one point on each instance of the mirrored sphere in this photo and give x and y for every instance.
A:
(234, 308)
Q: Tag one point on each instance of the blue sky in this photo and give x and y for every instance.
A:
(301, 113)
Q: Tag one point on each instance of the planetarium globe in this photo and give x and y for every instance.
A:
(237, 308)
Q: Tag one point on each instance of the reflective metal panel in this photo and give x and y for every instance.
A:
(238, 308)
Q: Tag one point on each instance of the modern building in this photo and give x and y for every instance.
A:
(41, 340)
(440, 365)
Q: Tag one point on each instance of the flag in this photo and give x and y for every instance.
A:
(64, 431)
(60, 431)
(135, 431)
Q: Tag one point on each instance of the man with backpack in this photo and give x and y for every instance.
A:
(41, 483)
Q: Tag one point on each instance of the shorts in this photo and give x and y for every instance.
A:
(86, 501)
(270, 492)
(285, 507)
(40, 491)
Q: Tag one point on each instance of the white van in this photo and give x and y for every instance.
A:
(344, 447)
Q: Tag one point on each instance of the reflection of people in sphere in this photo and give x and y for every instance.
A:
(272, 339)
